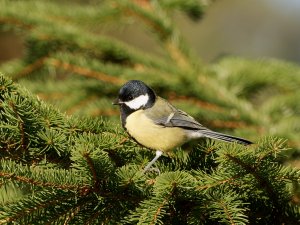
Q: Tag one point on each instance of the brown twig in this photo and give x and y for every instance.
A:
(15, 22)
(69, 67)
(172, 96)
(217, 183)
(93, 170)
(21, 127)
(86, 72)
(159, 209)
(223, 205)
(177, 55)
(30, 68)
(39, 183)
(229, 124)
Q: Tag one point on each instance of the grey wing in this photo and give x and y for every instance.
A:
(181, 119)
(165, 114)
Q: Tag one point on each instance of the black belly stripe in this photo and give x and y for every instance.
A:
(125, 111)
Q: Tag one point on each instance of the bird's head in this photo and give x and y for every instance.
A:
(136, 95)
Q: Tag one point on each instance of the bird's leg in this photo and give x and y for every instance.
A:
(158, 154)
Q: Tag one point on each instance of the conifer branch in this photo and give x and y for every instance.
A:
(219, 182)
(93, 217)
(72, 215)
(172, 96)
(264, 184)
(92, 170)
(253, 170)
(161, 26)
(67, 67)
(30, 68)
(227, 213)
(16, 22)
(86, 72)
(155, 216)
(22, 213)
(23, 179)
(21, 127)
(273, 149)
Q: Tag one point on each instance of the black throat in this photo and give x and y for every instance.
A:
(125, 110)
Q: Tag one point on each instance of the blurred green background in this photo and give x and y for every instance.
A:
(249, 28)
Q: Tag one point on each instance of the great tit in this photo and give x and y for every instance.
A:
(156, 124)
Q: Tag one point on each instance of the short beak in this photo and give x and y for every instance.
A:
(116, 102)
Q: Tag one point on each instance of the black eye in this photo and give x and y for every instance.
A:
(130, 97)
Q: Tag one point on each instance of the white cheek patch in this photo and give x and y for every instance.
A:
(138, 102)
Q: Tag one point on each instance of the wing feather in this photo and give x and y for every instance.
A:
(165, 114)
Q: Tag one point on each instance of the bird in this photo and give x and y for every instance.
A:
(156, 124)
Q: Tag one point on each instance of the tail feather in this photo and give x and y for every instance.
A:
(225, 137)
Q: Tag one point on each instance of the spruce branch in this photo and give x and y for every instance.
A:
(162, 25)
(30, 68)
(227, 208)
(92, 169)
(21, 127)
(218, 183)
(36, 176)
(32, 205)
(30, 181)
(85, 72)
(264, 184)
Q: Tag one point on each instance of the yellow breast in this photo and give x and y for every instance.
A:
(153, 136)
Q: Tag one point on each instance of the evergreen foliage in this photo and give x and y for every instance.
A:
(70, 164)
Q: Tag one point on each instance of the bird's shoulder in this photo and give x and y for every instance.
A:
(165, 114)
(160, 108)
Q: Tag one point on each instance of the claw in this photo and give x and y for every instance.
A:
(158, 154)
